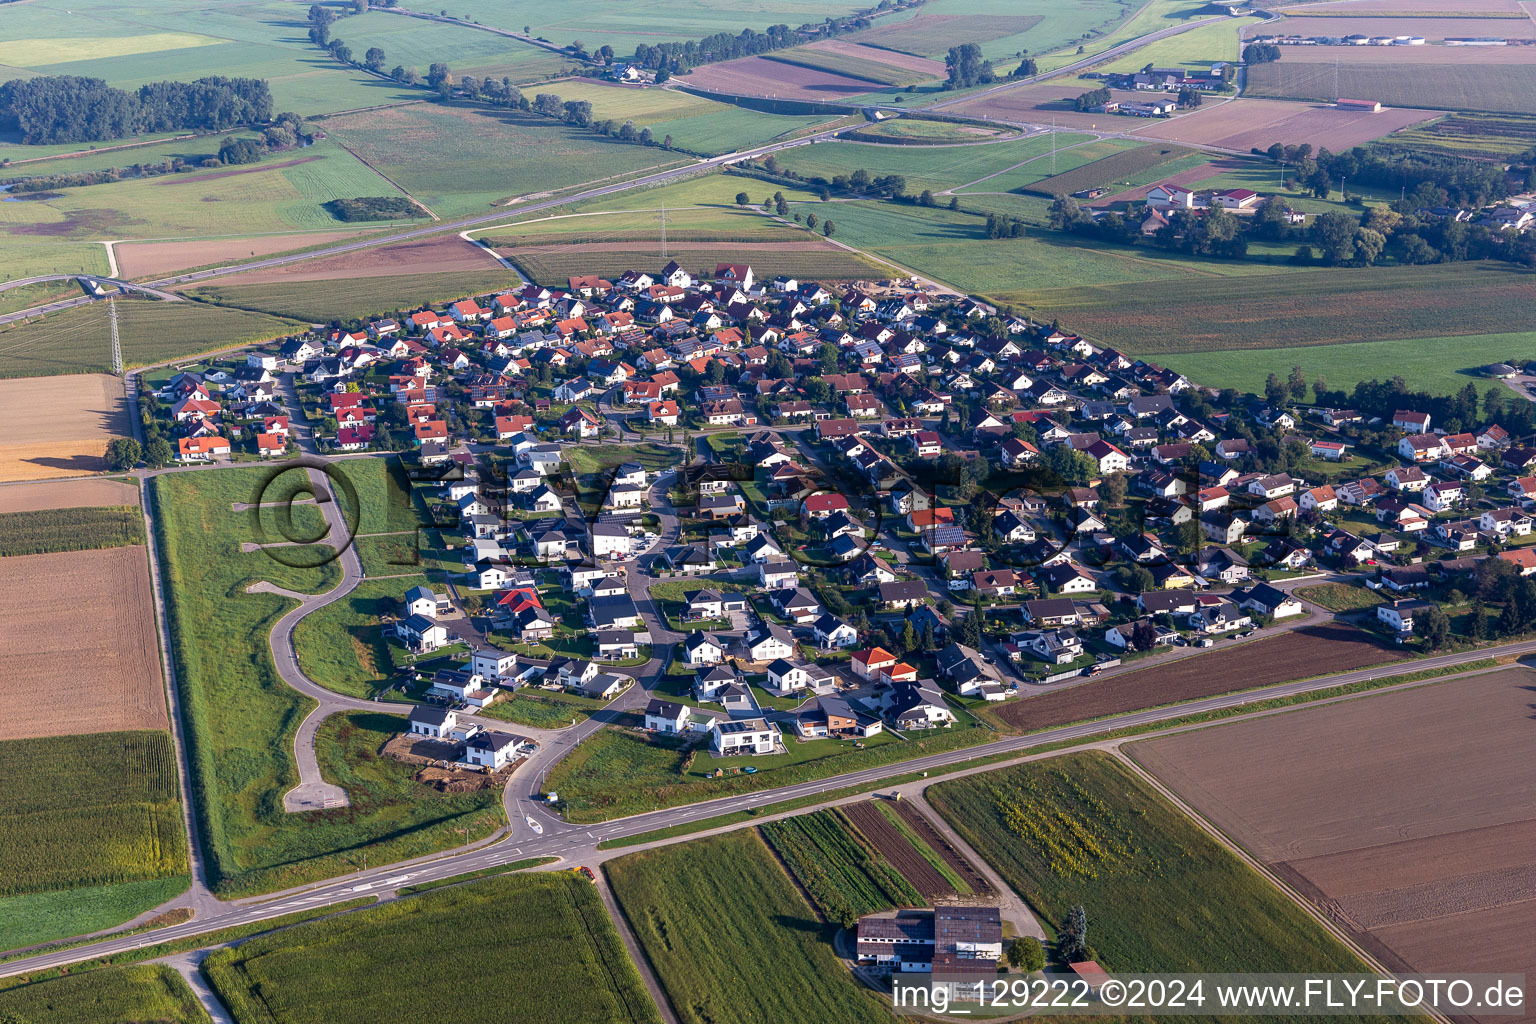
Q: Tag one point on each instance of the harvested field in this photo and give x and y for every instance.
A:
(1051, 102)
(1425, 877)
(811, 260)
(1245, 124)
(1432, 29)
(904, 61)
(89, 626)
(933, 837)
(930, 35)
(1298, 654)
(1492, 85)
(151, 259)
(59, 426)
(758, 76)
(67, 494)
(894, 847)
(449, 254)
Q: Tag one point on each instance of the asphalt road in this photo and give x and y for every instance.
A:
(576, 844)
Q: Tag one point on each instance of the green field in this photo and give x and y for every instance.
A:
(31, 255)
(642, 223)
(70, 529)
(931, 167)
(79, 340)
(1128, 167)
(556, 956)
(459, 161)
(1197, 48)
(415, 42)
(1340, 597)
(1002, 27)
(1076, 155)
(843, 876)
(618, 772)
(1488, 87)
(355, 298)
(555, 267)
(1160, 893)
(1142, 20)
(342, 646)
(241, 718)
(117, 995)
(1437, 365)
(1287, 310)
(48, 916)
(540, 710)
(917, 128)
(89, 810)
(767, 959)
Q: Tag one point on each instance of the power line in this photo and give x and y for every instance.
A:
(117, 348)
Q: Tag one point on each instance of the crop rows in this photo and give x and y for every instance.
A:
(69, 529)
(875, 827)
(88, 810)
(844, 878)
(1120, 166)
(925, 829)
(147, 992)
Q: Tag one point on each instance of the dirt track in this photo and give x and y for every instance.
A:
(82, 654)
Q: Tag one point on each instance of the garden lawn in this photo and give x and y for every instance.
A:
(768, 959)
(557, 957)
(342, 646)
(1161, 894)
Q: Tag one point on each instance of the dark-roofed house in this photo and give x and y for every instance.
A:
(903, 594)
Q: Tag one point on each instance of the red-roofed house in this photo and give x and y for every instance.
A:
(735, 273)
(869, 664)
(201, 449)
(271, 444)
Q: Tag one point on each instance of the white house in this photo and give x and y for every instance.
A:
(431, 721)
(493, 750)
(744, 736)
(666, 717)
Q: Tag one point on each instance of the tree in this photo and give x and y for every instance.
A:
(1027, 954)
(663, 75)
(811, 221)
(1072, 941)
(742, 199)
(373, 60)
(827, 227)
(908, 637)
(1334, 234)
(966, 67)
(1260, 53)
(1433, 626)
(341, 51)
(1274, 391)
(1144, 635)
(1296, 384)
(1190, 98)
(1368, 246)
(123, 453)
(925, 198)
(780, 205)
(1027, 68)
(1113, 489)
(158, 453)
(438, 73)
(970, 629)
(1089, 100)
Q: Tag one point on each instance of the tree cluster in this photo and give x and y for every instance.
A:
(675, 57)
(1260, 53)
(965, 66)
(1093, 98)
(70, 108)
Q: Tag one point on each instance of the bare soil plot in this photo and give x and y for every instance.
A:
(894, 847)
(1506, 83)
(1408, 57)
(1433, 29)
(59, 426)
(67, 494)
(1246, 123)
(757, 76)
(1299, 654)
(891, 58)
(151, 259)
(448, 254)
(83, 655)
(1407, 817)
(934, 838)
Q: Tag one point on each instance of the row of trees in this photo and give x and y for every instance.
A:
(71, 108)
(748, 42)
(1426, 179)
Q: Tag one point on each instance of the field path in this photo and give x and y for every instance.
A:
(189, 966)
(1010, 904)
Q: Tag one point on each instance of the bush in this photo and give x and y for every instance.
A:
(373, 208)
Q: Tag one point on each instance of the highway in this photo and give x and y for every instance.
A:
(576, 844)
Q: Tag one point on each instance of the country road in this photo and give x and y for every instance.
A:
(577, 844)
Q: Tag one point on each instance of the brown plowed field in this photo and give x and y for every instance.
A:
(432, 256)
(1299, 654)
(81, 654)
(59, 426)
(1408, 818)
(933, 837)
(151, 259)
(904, 61)
(1047, 102)
(893, 846)
(67, 494)
(1246, 123)
(757, 76)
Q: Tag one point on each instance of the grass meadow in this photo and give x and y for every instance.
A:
(1127, 167)
(79, 340)
(241, 717)
(1001, 27)
(769, 959)
(47, 916)
(556, 956)
(116, 995)
(342, 646)
(931, 167)
(1160, 893)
